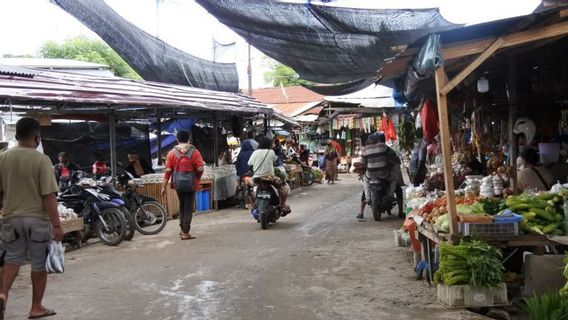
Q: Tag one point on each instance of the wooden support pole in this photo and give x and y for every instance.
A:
(445, 140)
(216, 140)
(472, 66)
(159, 129)
(514, 149)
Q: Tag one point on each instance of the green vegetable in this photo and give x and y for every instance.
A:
(529, 215)
(546, 196)
(551, 227)
(543, 214)
(471, 262)
(548, 306)
(564, 290)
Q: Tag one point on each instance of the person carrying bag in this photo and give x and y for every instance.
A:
(184, 165)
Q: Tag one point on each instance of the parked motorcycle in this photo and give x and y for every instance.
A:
(267, 203)
(103, 218)
(148, 215)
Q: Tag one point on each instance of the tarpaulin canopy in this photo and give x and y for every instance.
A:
(150, 57)
(326, 44)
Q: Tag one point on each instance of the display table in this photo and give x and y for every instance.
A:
(224, 188)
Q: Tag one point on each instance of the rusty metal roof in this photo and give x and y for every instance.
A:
(57, 92)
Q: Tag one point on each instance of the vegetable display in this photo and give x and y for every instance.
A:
(548, 306)
(407, 136)
(542, 214)
(474, 263)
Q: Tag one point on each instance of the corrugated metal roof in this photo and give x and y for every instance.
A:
(16, 71)
(81, 93)
(295, 94)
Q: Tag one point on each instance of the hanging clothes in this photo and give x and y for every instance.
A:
(429, 117)
(387, 126)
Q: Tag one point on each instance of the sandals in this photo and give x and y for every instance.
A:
(186, 236)
(46, 313)
(360, 216)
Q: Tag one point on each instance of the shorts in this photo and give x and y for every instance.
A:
(27, 238)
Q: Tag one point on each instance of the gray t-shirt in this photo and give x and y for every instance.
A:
(262, 162)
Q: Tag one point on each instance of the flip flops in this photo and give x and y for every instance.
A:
(46, 313)
(186, 237)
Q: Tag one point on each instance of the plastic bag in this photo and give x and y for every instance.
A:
(55, 259)
(429, 58)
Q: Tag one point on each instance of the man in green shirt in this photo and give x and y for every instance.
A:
(28, 191)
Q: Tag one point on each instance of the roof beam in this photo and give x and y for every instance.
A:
(472, 66)
(510, 40)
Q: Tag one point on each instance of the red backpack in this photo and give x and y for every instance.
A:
(184, 172)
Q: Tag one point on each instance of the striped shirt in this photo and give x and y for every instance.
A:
(378, 158)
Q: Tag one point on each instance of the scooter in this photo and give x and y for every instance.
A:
(103, 218)
(267, 203)
(380, 201)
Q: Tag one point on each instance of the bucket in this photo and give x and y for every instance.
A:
(199, 200)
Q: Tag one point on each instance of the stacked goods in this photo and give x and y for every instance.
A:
(474, 263)
(486, 189)
(542, 214)
(432, 210)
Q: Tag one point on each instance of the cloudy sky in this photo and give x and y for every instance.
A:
(26, 24)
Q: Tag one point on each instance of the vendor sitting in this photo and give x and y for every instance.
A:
(533, 177)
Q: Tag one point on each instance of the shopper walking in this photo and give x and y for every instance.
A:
(331, 159)
(28, 191)
(184, 165)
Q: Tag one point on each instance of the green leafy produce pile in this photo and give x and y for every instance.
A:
(471, 262)
(548, 306)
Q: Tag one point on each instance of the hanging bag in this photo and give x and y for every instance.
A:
(55, 258)
(184, 172)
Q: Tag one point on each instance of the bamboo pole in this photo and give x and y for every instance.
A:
(445, 140)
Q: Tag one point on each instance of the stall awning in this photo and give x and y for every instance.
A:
(374, 96)
(326, 44)
(55, 92)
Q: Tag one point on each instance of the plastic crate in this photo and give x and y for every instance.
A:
(489, 229)
(469, 297)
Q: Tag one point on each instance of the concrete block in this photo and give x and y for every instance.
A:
(543, 273)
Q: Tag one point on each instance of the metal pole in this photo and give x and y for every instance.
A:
(513, 147)
(249, 72)
(159, 129)
(112, 136)
(330, 121)
(215, 140)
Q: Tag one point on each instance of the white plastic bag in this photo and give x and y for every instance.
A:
(55, 259)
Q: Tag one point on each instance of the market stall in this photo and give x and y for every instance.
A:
(472, 84)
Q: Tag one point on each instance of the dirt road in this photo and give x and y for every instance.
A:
(317, 263)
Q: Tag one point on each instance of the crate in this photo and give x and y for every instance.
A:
(489, 229)
(71, 225)
(469, 297)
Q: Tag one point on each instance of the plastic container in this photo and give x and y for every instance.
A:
(471, 297)
(199, 200)
(206, 197)
(475, 218)
(489, 229)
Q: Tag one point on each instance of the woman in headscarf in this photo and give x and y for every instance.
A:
(331, 158)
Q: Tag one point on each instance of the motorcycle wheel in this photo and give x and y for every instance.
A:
(309, 178)
(129, 234)
(376, 206)
(150, 218)
(116, 223)
(264, 213)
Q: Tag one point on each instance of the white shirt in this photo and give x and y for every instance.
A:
(262, 162)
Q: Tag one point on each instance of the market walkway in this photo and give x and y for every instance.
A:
(317, 263)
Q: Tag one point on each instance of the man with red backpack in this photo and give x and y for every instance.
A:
(184, 165)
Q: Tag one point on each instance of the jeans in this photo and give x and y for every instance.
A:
(185, 210)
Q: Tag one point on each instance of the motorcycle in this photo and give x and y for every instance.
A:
(381, 202)
(267, 203)
(299, 174)
(148, 215)
(103, 218)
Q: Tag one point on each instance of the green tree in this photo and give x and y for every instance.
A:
(282, 74)
(84, 49)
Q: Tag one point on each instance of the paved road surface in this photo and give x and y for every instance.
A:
(317, 263)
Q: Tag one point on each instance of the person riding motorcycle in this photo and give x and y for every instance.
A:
(262, 162)
(241, 164)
